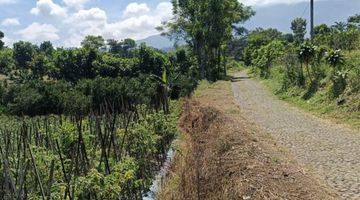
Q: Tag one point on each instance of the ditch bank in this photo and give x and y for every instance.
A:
(221, 156)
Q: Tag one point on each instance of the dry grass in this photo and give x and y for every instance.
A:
(222, 156)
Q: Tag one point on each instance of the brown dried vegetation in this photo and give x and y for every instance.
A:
(222, 156)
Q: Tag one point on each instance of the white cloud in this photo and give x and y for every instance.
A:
(93, 16)
(139, 25)
(39, 32)
(85, 22)
(164, 11)
(134, 27)
(10, 22)
(3, 2)
(270, 2)
(78, 4)
(138, 21)
(136, 9)
(48, 8)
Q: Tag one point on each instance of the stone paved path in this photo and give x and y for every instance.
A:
(333, 151)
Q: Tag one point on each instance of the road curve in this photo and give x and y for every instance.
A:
(332, 150)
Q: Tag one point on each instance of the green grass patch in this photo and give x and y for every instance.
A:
(319, 104)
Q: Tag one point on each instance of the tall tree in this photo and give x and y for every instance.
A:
(74, 64)
(47, 48)
(206, 32)
(39, 65)
(23, 53)
(257, 38)
(354, 21)
(93, 42)
(298, 26)
(127, 45)
(123, 48)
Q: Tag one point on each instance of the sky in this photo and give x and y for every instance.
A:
(67, 22)
(280, 15)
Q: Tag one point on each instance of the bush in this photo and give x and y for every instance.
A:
(266, 56)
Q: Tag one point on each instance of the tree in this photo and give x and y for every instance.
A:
(322, 29)
(266, 55)
(344, 36)
(123, 48)
(114, 46)
(109, 65)
(93, 42)
(128, 44)
(354, 21)
(39, 65)
(74, 64)
(47, 48)
(1, 42)
(306, 55)
(335, 59)
(151, 61)
(206, 32)
(23, 53)
(298, 26)
(339, 26)
(7, 62)
(256, 39)
(183, 76)
(322, 35)
(288, 37)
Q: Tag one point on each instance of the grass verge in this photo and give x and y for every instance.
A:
(220, 155)
(319, 104)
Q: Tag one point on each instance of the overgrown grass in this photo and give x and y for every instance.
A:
(319, 102)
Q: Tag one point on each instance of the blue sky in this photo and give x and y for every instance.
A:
(281, 15)
(66, 22)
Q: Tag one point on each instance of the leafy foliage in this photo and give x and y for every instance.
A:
(266, 55)
(90, 122)
(298, 26)
(326, 67)
(206, 33)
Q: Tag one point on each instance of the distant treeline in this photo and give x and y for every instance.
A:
(329, 62)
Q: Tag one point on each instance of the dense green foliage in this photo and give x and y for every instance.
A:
(324, 70)
(93, 122)
(206, 33)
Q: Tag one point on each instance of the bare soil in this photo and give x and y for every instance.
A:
(223, 156)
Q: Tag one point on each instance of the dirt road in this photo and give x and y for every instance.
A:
(330, 150)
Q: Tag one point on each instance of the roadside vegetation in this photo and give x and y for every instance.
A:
(222, 155)
(96, 121)
(320, 74)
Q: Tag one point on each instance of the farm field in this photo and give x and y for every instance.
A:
(180, 99)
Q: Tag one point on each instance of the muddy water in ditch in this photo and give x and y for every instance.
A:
(156, 184)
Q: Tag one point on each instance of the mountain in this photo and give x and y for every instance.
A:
(157, 41)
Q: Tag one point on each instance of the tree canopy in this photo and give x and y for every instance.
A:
(206, 32)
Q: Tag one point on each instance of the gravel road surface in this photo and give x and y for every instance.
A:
(331, 150)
